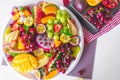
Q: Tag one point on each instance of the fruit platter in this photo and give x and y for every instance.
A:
(94, 14)
(42, 40)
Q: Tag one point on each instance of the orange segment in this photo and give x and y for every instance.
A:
(45, 19)
(51, 75)
(93, 2)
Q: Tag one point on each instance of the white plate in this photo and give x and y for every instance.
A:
(74, 63)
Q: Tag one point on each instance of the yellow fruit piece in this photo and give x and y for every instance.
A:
(50, 9)
(75, 50)
(57, 43)
(20, 44)
(72, 28)
(64, 38)
(43, 60)
(24, 63)
(93, 2)
(26, 13)
(16, 16)
(28, 21)
(45, 19)
(51, 75)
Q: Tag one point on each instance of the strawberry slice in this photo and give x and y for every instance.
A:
(57, 27)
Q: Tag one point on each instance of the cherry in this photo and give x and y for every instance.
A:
(10, 58)
(25, 36)
(21, 29)
(32, 45)
(81, 72)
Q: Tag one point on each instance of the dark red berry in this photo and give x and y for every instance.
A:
(10, 58)
(81, 72)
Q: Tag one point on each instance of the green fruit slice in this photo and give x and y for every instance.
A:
(76, 50)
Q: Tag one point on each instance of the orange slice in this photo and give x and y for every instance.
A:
(93, 2)
(51, 75)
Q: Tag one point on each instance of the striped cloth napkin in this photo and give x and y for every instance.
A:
(110, 25)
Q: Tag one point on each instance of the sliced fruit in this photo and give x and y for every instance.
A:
(26, 13)
(50, 9)
(45, 19)
(25, 63)
(38, 52)
(28, 21)
(57, 43)
(93, 2)
(8, 30)
(12, 36)
(51, 64)
(13, 44)
(72, 28)
(37, 75)
(20, 44)
(75, 50)
(8, 50)
(44, 42)
(42, 60)
(38, 15)
(41, 28)
(15, 27)
(74, 41)
(57, 27)
(51, 75)
(64, 38)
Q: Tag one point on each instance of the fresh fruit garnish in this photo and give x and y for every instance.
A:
(45, 19)
(57, 27)
(51, 75)
(12, 36)
(28, 21)
(10, 58)
(74, 41)
(93, 2)
(72, 28)
(41, 28)
(24, 63)
(20, 44)
(15, 27)
(8, 30)
(110, 3)
(76, 50)
(42, 60)
(44, 42)
(57, 43)
(64, 38)
(50, 9)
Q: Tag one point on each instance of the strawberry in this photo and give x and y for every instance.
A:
(57, 27)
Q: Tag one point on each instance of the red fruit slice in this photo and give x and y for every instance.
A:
(57, 27)
(38, 14)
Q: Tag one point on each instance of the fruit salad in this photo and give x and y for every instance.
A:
(42, 39)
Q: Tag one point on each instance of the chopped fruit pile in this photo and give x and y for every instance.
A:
(41, 39)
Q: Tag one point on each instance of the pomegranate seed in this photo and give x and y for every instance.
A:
(45, 43)
(45, 39)
(40, 39)
(10, 58)
(41, 42)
